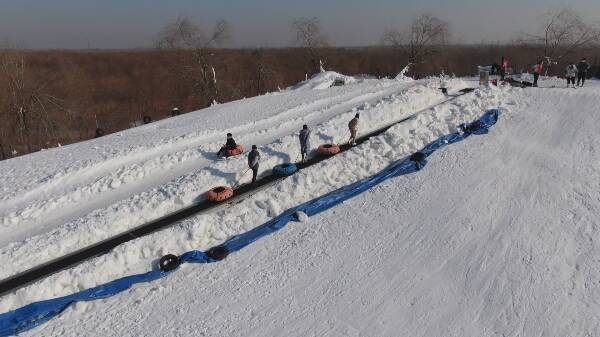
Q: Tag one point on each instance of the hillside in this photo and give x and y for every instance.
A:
(495, 236)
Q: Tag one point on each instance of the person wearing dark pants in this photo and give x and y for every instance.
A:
(304, 141)
(582, 69)
(253, 161)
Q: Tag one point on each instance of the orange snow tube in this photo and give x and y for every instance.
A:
(239, 149)
(328, 149)
(220, 193)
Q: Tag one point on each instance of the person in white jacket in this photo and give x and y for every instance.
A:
(571, 74)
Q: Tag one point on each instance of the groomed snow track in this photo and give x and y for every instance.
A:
(34, 274)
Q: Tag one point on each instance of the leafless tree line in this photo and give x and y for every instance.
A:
(27, 109)
(35, 114)
(307, 33)
(426, 36)
(183, 33)
(561, 33)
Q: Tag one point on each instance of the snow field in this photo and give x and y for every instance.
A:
(496, 237)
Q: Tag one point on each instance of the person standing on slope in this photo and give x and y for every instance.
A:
(304, 141)
(571, 73)
(503, 67)
(230, 144)
(353, 126)
(253, 161)
(537, 70)
(582, 69)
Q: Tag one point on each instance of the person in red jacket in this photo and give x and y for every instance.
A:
(503, 67)
(537, 70)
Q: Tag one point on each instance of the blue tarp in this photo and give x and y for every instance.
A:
(34, 314)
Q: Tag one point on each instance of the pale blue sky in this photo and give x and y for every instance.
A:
(135, 23)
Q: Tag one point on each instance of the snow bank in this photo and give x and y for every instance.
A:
(323, 80)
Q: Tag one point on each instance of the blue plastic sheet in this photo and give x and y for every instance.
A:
(37, 313)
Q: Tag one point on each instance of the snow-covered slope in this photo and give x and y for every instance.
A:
(70, 197)
(495, 237)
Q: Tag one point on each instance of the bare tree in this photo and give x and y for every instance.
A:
(561, 33)
(262, 71)
(425, 37)
(27, 104)
(307, 33)
(200, 69)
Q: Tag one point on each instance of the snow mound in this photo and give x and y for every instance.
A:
(402, 75)
(324, 80)
(301, 216)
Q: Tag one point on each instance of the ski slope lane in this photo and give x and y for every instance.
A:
(497, 236)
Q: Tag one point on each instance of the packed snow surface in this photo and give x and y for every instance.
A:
(497, 236)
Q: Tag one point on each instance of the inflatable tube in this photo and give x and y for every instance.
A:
(220, 193)
(99, 132)
(169, 262)
(239, 149)
(328, 149)
(417, 156)
(218, 253)
(286, 169)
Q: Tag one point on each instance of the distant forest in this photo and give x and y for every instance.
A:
(57, 97)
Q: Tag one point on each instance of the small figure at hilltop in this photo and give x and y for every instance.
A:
(570, 74)
(537, 70)
(582, 69)
(503, 67)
